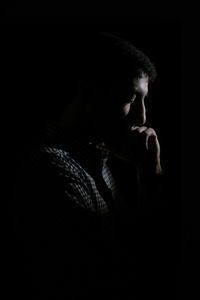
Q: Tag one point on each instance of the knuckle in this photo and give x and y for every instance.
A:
(151, 131)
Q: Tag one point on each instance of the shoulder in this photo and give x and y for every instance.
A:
(55, 161)
(51, 174)
(56, 174)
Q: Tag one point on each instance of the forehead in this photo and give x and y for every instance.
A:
(126, 88)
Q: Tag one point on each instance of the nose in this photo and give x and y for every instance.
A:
(139, 113)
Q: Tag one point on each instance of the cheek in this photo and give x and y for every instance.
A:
(120, 112)
(125, 109)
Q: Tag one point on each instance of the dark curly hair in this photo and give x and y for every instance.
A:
(102, 56)
(106, 55)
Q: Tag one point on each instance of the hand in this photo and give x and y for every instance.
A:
(140, 147)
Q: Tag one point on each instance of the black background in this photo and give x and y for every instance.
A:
(29, 93)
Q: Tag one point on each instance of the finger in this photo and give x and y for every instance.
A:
(152, 144)
(145, 134)
(142, 129)
(150, 131)
(134, 128)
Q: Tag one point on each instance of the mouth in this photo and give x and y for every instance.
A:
(129, 127)
(134, 127)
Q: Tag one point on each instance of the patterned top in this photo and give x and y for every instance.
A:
(82, 168)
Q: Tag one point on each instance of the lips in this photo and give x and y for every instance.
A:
(129, 126)
(134, 127)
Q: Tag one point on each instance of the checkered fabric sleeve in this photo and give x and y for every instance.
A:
(77, 184)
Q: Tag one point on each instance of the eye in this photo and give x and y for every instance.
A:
(132, 99)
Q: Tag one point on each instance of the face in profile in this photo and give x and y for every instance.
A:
(123, 105)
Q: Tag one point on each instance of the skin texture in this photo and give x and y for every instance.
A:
(135, 142)
(115, 114)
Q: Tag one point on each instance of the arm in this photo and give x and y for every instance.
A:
(140, 148)
(145, 227)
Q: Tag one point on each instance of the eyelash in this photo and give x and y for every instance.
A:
(133, 99)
